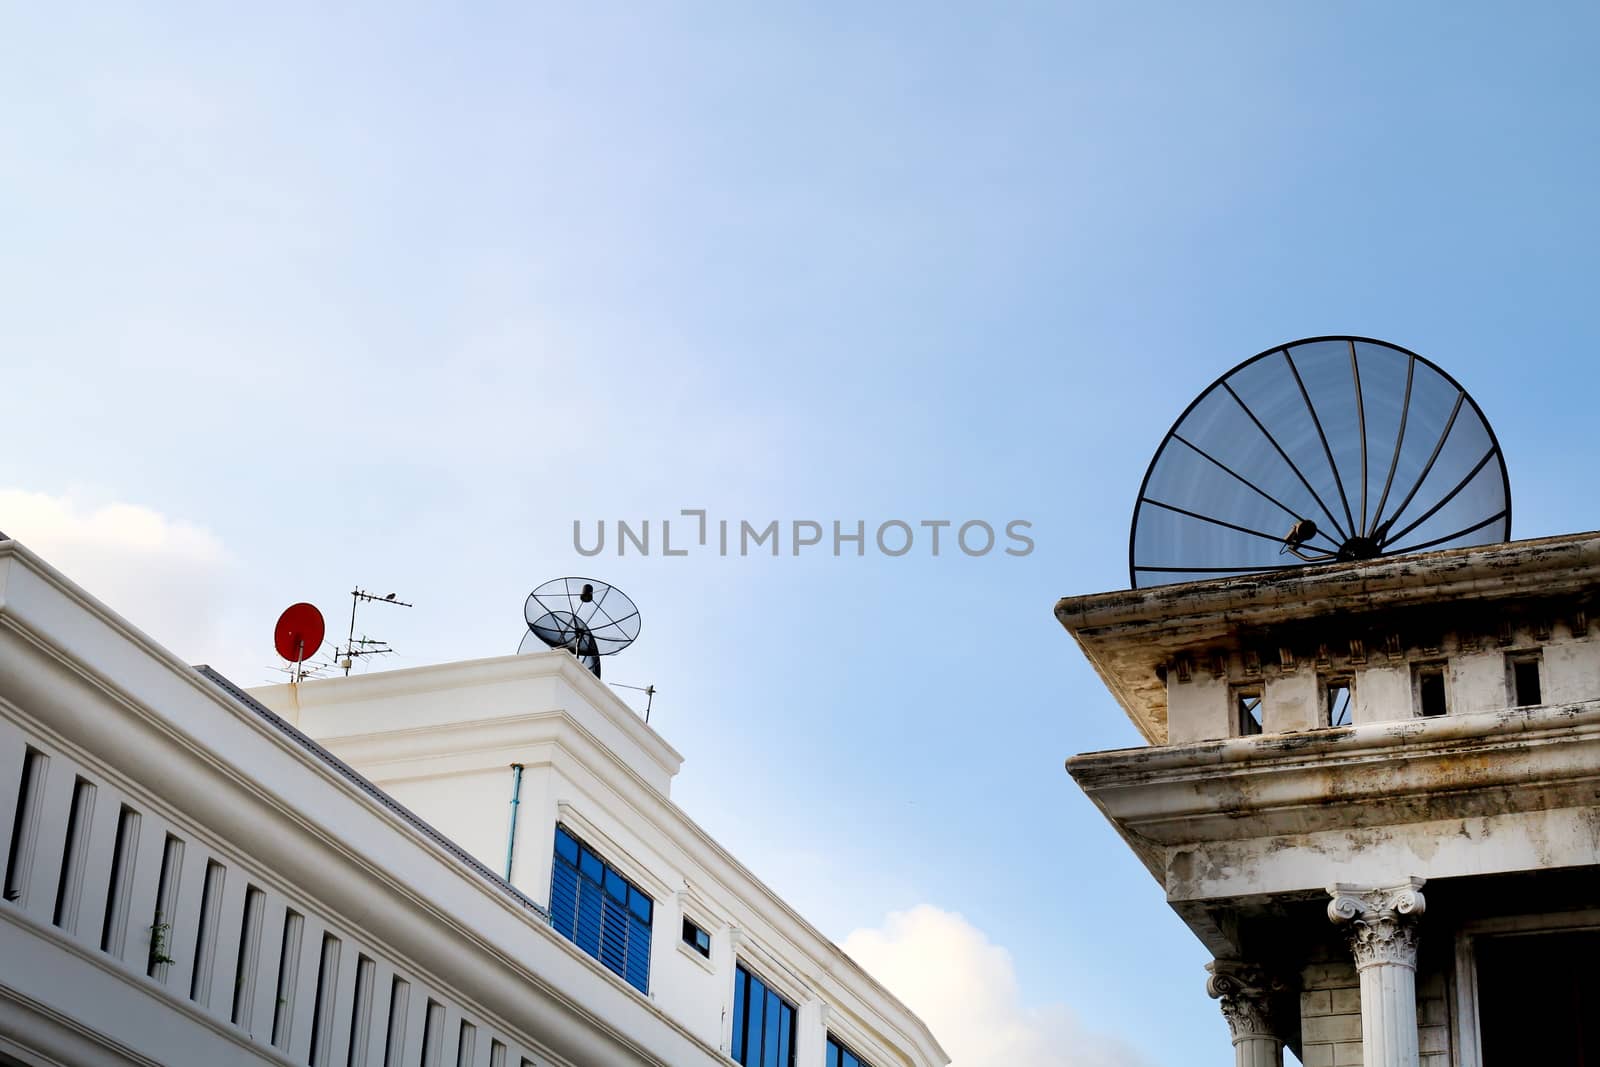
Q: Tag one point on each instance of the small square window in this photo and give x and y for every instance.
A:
(1337, 708)
(1247, 711)
(1431, 694)
(1525, 688)
(696, 938)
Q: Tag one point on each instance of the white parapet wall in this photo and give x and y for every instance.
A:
(445, 740)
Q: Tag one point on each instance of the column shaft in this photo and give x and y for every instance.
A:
(1258, 1052)
(1389, 1015)
(1383, 940)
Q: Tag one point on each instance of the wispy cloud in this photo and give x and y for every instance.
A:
(965, 987)
(164, 575)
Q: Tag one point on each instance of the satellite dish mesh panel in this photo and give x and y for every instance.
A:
(1327, 449)
(588, 618)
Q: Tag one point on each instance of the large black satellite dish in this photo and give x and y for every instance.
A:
(1322, 450)
(588, 618)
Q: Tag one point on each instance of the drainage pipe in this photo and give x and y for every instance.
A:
(516, 798)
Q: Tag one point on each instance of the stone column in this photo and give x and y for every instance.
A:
(1383, 939)
(1247, 996)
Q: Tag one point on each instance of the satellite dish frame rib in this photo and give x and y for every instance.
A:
(1464, 396)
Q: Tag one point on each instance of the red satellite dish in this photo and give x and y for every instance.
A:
(299, 632)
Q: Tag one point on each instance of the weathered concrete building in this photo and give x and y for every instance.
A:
(1371, 791)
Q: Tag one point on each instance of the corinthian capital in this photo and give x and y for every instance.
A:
(1246, 994)
(1382, 921)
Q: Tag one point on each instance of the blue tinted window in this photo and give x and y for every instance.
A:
(770, 1043)
(763, 1023)
(591, 866)
(600, 911)
(839, 1055)
(739, 985)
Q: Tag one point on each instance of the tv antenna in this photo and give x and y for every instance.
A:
(586, 617)
(649, 692)
(356, 647)
(1325, 450)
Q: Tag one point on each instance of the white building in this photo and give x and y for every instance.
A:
(1373, 792)
(190, 878)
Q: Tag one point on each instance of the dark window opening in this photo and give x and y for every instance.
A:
(322, 1006)
(1430, 692)
(361, 1012)
(1248, 712)
(114, 930)
(1338, 708)
(1549, 1021)
(288, 977)
(74, 856)
(30, 792)
(205, 945)
(394, 1042)
(433, 1035)
(244, 972)
(696, 938)
(1525, 682)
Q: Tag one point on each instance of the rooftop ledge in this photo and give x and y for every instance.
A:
(465, 692)
(1128, 634)
(1347, 778)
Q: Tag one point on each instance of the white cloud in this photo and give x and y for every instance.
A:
(163, 575)
(965, 988)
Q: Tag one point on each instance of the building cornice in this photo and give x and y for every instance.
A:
(463, 676)
(1347, 779)
(1129, 635)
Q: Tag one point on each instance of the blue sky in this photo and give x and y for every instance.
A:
(391, 294)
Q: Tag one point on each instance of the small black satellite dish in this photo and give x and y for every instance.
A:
(590, 619)
(1323, 450)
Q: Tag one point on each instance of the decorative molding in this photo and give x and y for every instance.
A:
(1383, 927)
(770, 966)
(1324, 660)
(610, 849)
(693, 904)
(695, 957)
(1358, 651)
(1246, 994)
(1286, 659)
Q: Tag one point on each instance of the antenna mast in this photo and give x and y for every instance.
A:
(355, 647)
